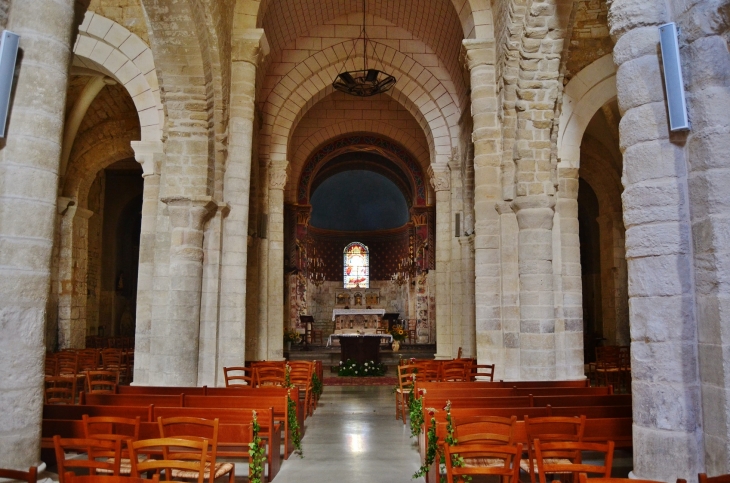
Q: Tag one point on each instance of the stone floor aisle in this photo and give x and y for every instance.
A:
(354, 437)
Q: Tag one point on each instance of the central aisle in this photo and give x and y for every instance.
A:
(354, 437)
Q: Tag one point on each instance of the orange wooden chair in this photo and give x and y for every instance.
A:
(31, 476)
(239, 376)
(102, 382)
(94, 448)
(197, 429)
(72, 478)
(550, 429)
(404, 390)
(483, 459)
(183, 455)
(566, 458)
(113, 428)
(60, 390)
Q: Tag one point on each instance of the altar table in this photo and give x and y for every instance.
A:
(361, 348)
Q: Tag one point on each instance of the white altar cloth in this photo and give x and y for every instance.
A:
(336, 312)
(355, 334)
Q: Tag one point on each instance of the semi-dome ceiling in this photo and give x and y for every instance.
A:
(358, 200)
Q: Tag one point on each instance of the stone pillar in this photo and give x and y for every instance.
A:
(73, 259)
(177, 355)
(29, 163)
(706, 68)
(537, 306)
(262, 326)
(441, 182)
(278, 172)
(487, 135)
(469, 336)
(569, 323)
(236, 189)
(509, 232)
(150, 155)
(667, 433)
(459, 325)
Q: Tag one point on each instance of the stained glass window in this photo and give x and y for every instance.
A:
(356, 266)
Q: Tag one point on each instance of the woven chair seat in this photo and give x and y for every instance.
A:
(405, 390)
(525, 465)
(220, 470)
(482, 462)
(125, 466)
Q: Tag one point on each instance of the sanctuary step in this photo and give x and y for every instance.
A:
(330, 356)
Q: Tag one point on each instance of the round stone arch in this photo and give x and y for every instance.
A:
(430, 102)
(105, 46)
(322, 136)
(475, 16)
(90, 163)
(585, 94)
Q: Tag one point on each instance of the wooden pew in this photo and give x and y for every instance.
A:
(518, 384)
(278, 403)
(51, 411)
(460, 400)
(442, 389)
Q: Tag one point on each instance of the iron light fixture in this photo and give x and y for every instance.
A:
(367, 81)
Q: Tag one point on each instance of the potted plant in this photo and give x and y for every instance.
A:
(291, 335)
(399, 335)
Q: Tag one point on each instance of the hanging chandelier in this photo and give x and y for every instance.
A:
(313, 266)
(368, 81)
(409, 266)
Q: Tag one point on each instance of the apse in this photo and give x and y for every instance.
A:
(358, 200)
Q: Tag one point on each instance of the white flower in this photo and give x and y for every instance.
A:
(340, 362)
(366, 364)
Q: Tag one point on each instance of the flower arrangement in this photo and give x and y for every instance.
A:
(350, 368)
(291, 335)
(398, 333)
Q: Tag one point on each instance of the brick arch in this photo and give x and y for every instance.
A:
(107, 47)
(418, 90)
(585, 94)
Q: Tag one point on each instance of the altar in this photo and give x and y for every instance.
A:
(361, 348)
(363, 321)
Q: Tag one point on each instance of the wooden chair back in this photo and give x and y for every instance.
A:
(500, 460)
(458, 370)
(404, 390)
(31, 476)
(703, 478)
(102, 382)
(72, 478)
(428, 371)
(68, 363)
(177, 453)
(60, 390)
(583, 478)
(565, 457)
(485, 430)
(239, 376)
(270, 374)
(93, 448)
(89, 360)
(196, 429)
(112, 359)
(102, 426)
(51, 366)
(482, 372)
(551, 429)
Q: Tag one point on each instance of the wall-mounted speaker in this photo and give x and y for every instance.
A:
(457, 224)
(8, 55)
(678, 120)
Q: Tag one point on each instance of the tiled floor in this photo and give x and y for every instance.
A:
(354, 437)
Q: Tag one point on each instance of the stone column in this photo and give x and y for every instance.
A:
(29, 164)
(459, 325)
(262, 326)
(236, 189)
(150, 155)
(278, 172)
(537, 312)
(706, 68)
(469, 337)
(487, 135)
(177, 355)
(73, 259)
(667, 431)
(441, 182)
(569, 323)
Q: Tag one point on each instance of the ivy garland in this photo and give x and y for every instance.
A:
(291, 413)
(415, 413)
(431, 447)
(456, 460)
(316, 385)
(294, 425)
(257, 454)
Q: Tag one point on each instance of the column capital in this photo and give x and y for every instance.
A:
(189, 212)
(63, 204)
(440, 177)
(478, 52)
(278, 174)
(147, 153)
(249, 46)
